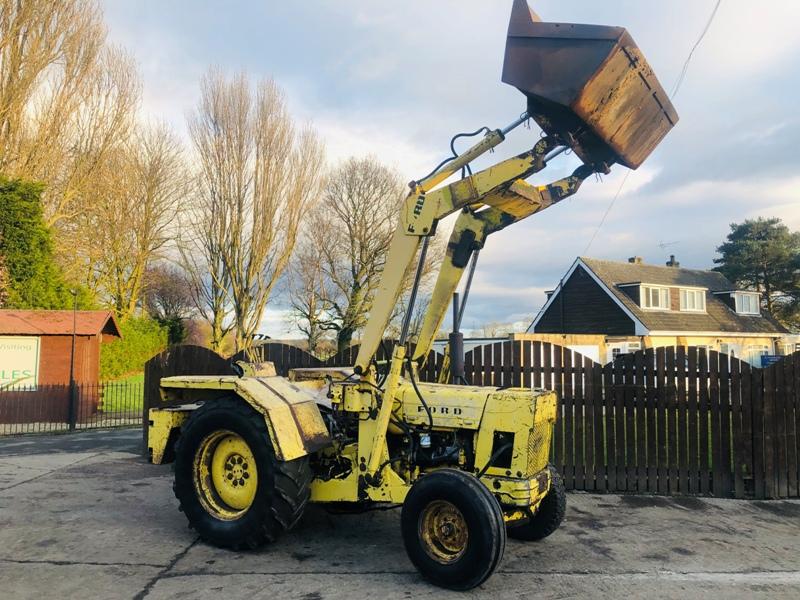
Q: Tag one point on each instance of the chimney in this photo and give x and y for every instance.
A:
(635, 260)
(672, 262)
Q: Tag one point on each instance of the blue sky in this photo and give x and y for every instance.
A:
(397, 80)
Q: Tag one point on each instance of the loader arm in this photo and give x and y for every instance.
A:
(505, 198)
(503, 208)
(590, 89)
(422, 209)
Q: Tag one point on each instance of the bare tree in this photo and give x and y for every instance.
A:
(201, 249)
(348, 235)
(47, 50)
(167, 298)
(132, 216)
(66, 98)
(307, 291)
(421, 304)
(167, 295)
(493, 329)
(258, 177)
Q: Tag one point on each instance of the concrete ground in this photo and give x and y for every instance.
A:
(84, 516)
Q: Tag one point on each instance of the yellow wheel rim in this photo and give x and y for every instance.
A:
(443, 531)
(225, 475)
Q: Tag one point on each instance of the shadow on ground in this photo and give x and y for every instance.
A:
(88, 517)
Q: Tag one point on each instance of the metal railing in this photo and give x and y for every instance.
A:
(61, 408)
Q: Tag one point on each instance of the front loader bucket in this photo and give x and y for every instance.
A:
(590, 82)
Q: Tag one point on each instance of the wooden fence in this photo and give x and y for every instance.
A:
(664, 421)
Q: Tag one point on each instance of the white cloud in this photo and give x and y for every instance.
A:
(397, 80)
(748, 38)
(277, 323)
(346, 137)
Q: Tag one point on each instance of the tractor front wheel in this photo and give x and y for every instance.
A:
(453, 529)
(229, 483)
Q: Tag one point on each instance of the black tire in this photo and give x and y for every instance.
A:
(479, 514)
(282, 490)
(548, 516)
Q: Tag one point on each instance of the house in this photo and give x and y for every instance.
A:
(36, 353)
(791, 343)
(603, 308)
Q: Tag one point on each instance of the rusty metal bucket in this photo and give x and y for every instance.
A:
(588, 81)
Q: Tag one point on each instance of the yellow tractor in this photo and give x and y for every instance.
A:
(468, 465)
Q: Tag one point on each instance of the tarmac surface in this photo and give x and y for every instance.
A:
(84, 515)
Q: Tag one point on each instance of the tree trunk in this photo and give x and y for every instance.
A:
(768, 294)
(344, 339)
(216, 333)
(313, 339)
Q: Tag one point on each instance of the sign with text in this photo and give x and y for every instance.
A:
(19, 362)
(769, 359)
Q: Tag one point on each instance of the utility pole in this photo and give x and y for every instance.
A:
(73, 390)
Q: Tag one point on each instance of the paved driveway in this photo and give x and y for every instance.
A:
(84, 516)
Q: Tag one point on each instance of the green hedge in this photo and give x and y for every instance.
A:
(141, 339)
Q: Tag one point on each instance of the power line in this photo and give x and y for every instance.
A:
(608, 210)
(675, 90)
(691, 52)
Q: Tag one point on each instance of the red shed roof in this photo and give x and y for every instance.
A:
(57, 322)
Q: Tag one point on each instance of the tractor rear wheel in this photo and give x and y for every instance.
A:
(230, 485)
(453, 529)
(548, 516)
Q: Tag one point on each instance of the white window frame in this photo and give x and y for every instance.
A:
(645, 298)
(695, 294)
(755, 352)
(753, 298)
(615, 349)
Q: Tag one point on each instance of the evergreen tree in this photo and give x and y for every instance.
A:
(764, 255)
(4, 282)
(33, 279)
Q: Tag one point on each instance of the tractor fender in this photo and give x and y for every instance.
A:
(293, 419)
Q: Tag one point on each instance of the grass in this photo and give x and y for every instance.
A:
(123, 395)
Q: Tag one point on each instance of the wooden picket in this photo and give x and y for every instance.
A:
(661, 421)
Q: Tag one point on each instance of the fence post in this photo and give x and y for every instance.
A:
(72, 405)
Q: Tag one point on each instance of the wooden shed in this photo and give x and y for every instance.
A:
(35, 359)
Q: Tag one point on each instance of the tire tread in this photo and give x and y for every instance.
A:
(292, 481)
(550, 514)
(485, 503)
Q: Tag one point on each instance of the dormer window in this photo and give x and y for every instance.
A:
(747, 303)
(654, 297)
(693, 300)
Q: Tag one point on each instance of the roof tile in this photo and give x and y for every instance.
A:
(57, 322)
(718, 316)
